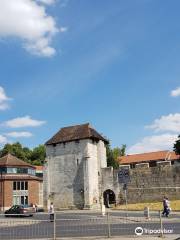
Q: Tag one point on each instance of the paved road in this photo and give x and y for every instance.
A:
(80, 224)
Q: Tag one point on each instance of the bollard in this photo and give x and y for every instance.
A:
(54, 238)
(103, 210)
(108, 224)
(146, 212)
(161, 225)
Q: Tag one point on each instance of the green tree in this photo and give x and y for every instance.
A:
(35, 156)
(123, 150)
(110, 157)
(28, 153)
(113, 154)
(14, 149)
(38, 155)
(177, 145)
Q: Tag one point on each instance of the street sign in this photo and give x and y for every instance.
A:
(123, 175)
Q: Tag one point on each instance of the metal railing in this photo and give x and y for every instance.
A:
(84, 224)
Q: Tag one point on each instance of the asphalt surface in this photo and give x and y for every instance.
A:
(86, 224)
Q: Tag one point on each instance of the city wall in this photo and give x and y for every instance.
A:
(147, 184)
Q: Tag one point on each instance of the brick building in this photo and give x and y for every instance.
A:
(18, 183)
(151, 158)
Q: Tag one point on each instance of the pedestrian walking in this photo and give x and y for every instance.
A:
(34, 207)
(166, 207)
(51, 212)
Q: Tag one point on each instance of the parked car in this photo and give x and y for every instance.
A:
(20, 210)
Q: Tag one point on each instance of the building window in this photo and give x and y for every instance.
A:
(20, 200)
(14, 185)
(94, 141)
(31, 171)
(20, 185)
(77, 162)
(22, 170)
(11, 170)
(39, 174)
(3, 170)
(26, 185)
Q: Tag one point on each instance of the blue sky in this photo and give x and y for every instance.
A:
(114, 64)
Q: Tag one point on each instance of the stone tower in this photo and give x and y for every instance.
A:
(75, 157)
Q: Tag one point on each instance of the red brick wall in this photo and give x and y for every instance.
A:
(33, 190)
(8, 188)
(33, 193)
(6, 194)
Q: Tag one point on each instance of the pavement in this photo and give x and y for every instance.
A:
(129, 238)
(170, 237)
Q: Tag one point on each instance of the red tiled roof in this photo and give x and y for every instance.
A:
(10, 160)
(147, 157)
(77, 132)
(39, 168)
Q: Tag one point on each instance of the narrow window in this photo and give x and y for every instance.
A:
(18, 185)
(22, 185)
(14, 185)
(26, 199)
(26, 185)
(77, 161)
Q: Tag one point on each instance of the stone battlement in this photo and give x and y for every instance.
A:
(146, 183)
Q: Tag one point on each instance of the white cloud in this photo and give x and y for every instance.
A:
(153, 143)
(46, 1)
(29, 21)
(170, 122)
(63, 29)
(3, 99)
(175, 92)
(3, 139)
(21, 122)
(19, 134)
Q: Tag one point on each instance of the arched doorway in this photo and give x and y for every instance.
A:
(109, 197)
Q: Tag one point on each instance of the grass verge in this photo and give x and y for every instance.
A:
(154, 206)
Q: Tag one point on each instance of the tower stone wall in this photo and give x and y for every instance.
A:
(72, 170)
